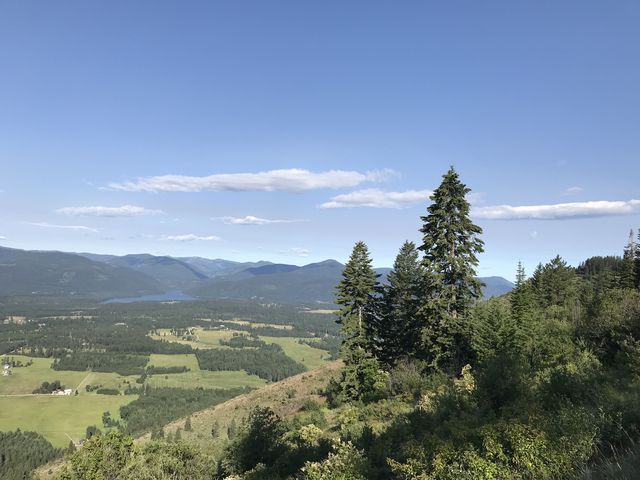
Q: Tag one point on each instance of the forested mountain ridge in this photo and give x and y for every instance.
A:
(97, 276)
(50, 274)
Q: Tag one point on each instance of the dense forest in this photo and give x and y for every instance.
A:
(156, 407)
(21, 452)
(267, 361)
(540, 384)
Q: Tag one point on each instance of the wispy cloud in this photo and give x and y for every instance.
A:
(558, 211)
(2, 237)
(288, 180)
(251, 220)
(66, 227)
(123, 211)
(296, 251)
(572, 191)
(192, 238)
(375, 198)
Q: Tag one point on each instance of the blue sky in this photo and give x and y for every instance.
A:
(288, 130)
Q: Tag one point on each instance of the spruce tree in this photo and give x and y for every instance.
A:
(394, 320)
(450, 245)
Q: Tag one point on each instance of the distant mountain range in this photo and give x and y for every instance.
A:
(100, 277)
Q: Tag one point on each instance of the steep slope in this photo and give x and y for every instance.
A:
(171, 273)
(57, 274)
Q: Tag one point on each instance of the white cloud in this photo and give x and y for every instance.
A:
(251, 220)
(572, 191)
(558, 211)
(123, 211)
(298, 252)
(191, 237)
(2, 237)
(289, 180)
(67, 227)
(375, 198)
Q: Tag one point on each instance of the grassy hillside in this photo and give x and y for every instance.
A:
(286, 398)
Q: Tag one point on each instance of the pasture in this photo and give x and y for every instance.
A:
(59, 419)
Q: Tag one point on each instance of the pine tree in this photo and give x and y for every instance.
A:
(394, 325)
(450, 245)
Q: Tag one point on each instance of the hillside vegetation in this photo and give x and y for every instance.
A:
(435, 385)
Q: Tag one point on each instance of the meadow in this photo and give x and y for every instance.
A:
(59, 419)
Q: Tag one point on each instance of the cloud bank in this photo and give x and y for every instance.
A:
(558, 211)
(190, 237)
(287, 180)
(123, 211)
(375, 198)
(252, 220)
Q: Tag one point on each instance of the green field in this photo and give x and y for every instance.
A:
(206, 379)
(310, 357)
(181, 360)
(56, 417)
(26, 379)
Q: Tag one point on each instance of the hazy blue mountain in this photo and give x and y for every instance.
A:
(495, 286)
(171, 273)
(108, 276)
(313, 283)
(218, 266)
(56, 274)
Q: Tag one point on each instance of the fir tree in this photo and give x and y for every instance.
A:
(362, 377)
(521, 298)
(394, 325)
(629, 258)
(355, 291)
(450, 245)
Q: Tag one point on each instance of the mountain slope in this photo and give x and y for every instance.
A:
(171, 273)
(313, 283)
(53, 274)
(218, 266)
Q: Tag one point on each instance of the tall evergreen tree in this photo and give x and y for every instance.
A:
(628, 275)
(521, 298)
(450, 245)
(638, 262)
(394, 321)
(355, 291)
(362, 377)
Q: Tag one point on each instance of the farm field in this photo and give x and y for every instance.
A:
(310, 357)
(26, 379)
(58, 418)
(206, 379)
